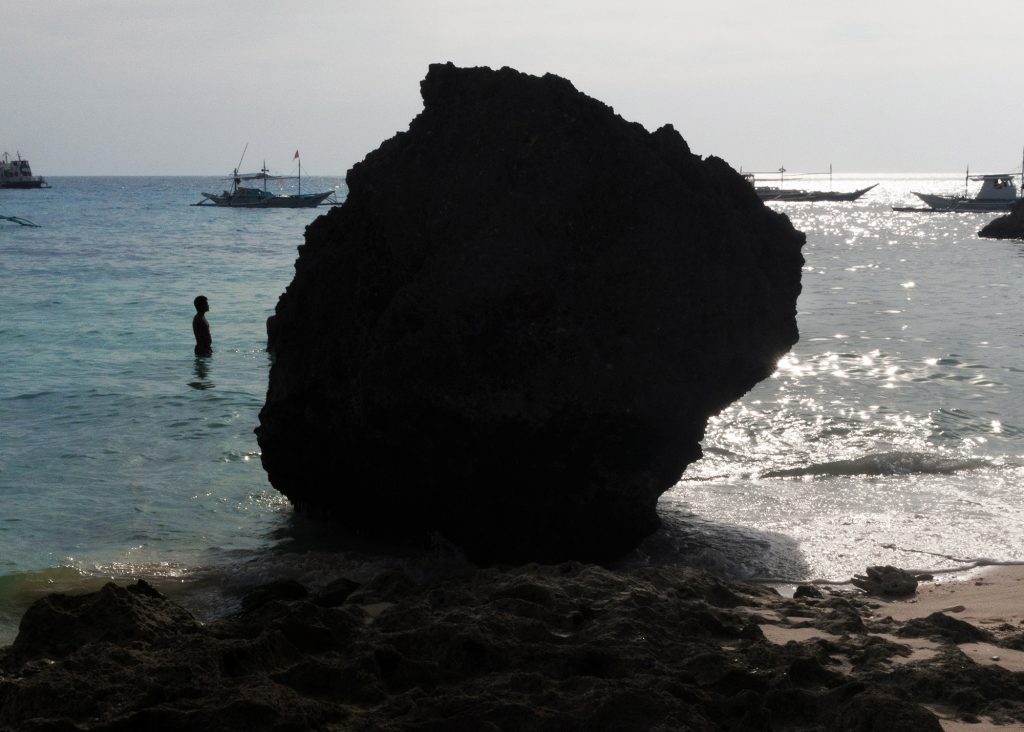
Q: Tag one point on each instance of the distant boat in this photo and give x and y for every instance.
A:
(248, 197)
(778, 193)
(998, 193)
(17, 173)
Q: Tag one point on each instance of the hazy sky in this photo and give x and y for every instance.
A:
(97, 87)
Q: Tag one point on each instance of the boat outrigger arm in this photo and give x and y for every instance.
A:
(21, 221)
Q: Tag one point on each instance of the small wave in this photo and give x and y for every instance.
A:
(887, 463)
(31, 395)
(18, 590)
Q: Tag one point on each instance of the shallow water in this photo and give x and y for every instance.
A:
(892, 433)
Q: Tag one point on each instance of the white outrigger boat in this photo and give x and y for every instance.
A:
(248, 197)
(998, 193)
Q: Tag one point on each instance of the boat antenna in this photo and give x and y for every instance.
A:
(830, 176)
(243, 157)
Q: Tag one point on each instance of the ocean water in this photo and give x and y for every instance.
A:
(893, 433)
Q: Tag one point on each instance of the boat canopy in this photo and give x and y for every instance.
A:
(259, 176)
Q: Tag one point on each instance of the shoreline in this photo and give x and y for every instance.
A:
(989, 598)
(989, 594)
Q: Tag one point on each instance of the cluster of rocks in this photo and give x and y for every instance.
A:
(560, 647)
(1007, 226)
(515, 329)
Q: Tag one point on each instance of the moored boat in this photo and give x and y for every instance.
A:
(998, 192)
(779, 193)
(769, 193)
(241, 196)
(17, 173)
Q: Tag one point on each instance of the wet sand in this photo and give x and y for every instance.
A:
(991, 599)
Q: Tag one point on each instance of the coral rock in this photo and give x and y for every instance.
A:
(514, 330)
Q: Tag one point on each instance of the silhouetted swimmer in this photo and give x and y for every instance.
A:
(201, 328)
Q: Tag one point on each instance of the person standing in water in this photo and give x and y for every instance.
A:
(201, 328)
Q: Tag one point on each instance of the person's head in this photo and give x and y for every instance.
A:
(202, 306)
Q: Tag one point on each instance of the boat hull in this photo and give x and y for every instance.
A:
(958, 203)
(776, 194)
(304, 200)
(23, 184)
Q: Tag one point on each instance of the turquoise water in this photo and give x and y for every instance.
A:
(893, 433)
(122, 453)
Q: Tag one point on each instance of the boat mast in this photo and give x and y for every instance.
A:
(234, 180)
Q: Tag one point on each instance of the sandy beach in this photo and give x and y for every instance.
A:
(990, 599)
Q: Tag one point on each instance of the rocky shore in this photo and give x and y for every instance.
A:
(536, 647)
(1008, 226)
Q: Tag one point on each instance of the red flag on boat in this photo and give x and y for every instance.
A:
(296, 155)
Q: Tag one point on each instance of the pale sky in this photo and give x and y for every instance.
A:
(179, 87)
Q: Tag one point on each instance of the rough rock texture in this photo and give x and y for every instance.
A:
(566, 647)
(515, 328)
(1008, 226)
(886, 581)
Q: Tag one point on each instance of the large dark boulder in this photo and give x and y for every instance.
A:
(514, 330)
(1007, 226)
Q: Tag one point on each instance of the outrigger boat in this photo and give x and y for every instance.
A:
(248, 197)
(17, 173)
(998, 193)
(778, 193)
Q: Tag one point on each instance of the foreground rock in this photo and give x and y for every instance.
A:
(1007, 226)
(886, 582)
(567, 647)
(515, 329)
